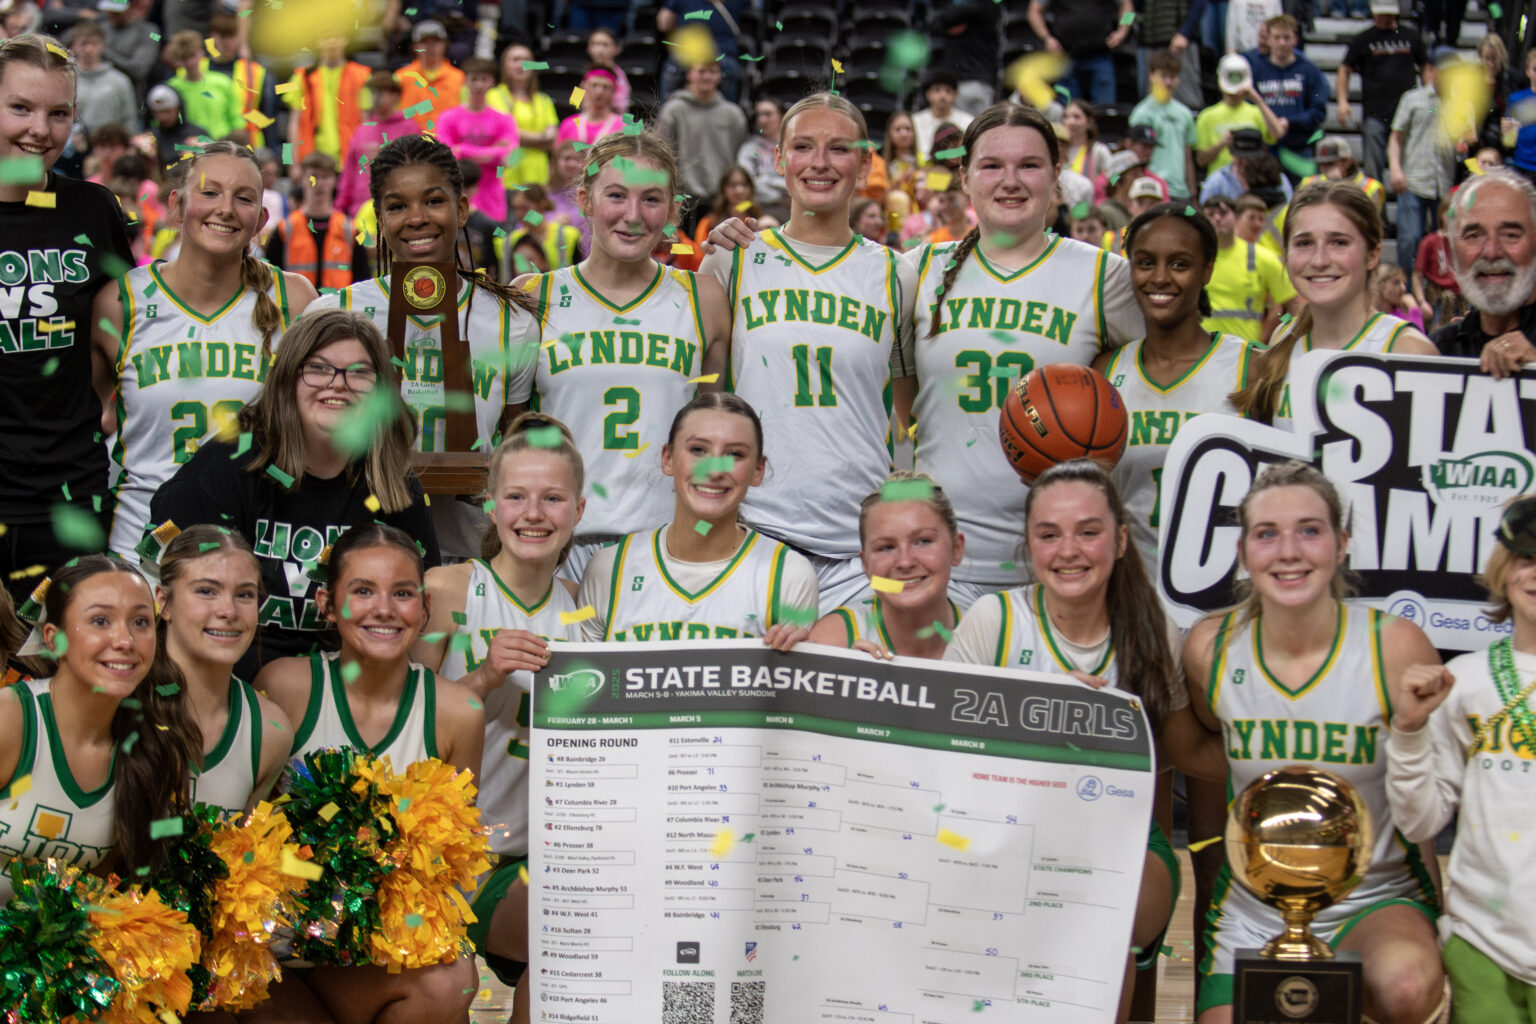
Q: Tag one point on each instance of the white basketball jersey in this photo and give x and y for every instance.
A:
(500, 338)
(646, 603)
(181, 377)
(1028, 641)
(1067, 306)
(1157, 413)
(52, 816)
(810, 350)
(1337, 721)
(490, 606)
(1379, 334)
(230, 771)
(863, 621)
(328, 721)
(616, 375)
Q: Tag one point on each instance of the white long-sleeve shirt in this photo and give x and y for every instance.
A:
(1429, 778)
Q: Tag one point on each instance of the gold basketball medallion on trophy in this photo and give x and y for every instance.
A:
(1299, 839)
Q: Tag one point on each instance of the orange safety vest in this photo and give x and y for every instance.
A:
(299, 248)
(250, 79)
(354, 77)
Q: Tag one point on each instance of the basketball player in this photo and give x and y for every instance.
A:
(1297, 673)
(704, 575)
(191, 339)
(1332, 244)
(1005, 298)
(817, 344)
(626, 342)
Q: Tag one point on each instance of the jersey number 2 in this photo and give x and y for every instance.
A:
(615, 438)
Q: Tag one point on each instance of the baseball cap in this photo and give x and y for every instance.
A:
(1121, 162)
(1333, 149)
(1246, 140)
(427, 28)
(1142, 133)
(1233, 73)
(162, 97)
(1146, 188)
(112, 6)
(1386, 7)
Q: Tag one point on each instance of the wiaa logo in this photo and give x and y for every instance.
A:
(580, 684)
(1479, 481)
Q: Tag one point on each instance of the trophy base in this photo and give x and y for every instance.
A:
(1267, 991)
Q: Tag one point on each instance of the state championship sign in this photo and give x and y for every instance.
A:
(1425, 452)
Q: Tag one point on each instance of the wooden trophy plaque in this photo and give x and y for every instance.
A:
(431, 291)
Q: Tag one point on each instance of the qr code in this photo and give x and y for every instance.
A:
(747, 1002)
(687, 1002)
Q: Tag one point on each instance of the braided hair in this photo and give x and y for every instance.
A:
(424, 150)
(255, 273)
(999, 115)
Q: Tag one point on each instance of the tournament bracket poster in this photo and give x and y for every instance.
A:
(725, 834)
(1425, 452)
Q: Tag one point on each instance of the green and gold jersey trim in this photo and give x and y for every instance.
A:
(1003, 277)
(775, 239)
(506, 591)
(1064, 662)
(176, 300)
(713, 585)
(1181, 379)
(1316, 677)
(602, 300)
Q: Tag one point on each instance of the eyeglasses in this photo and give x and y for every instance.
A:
(357, 377)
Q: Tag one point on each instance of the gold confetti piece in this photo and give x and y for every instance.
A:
(949, 838)
(522, 873)
(837, 65)
(938, 181)
(304, 869)
(724, 840)
(21, 785)
(883, 585)
(257, 118)
(213, 51)
(56, 50)
(46, 200)
(708, 378)
(371, 503)
(744, 206)
(286, 87)
(579, 615)
(531, 284)
(637, 451)
(681, 249)
(577, 95)
(694, 45)
(47, 327)
(49, 825)
(329, 811)
(1196, 847)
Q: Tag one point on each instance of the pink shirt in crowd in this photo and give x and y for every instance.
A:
(352, 180)
(581, 129)
(486, 137)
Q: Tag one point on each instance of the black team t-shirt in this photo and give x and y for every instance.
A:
(52, 262)
(1388, 62)
(287, 529)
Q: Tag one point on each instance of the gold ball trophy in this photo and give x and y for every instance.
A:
(1299, 839)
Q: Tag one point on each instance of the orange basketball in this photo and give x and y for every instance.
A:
(1060, 412)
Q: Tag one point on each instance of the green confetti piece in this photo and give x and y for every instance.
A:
(165, 828)
(1285, 318)
(599, 490)
(1128, 17)
(798, 616)
(21, 170)
(749, 57)
(1495, 11)
(77, 529)
(1297, 164)
(413, 920)
(749, 837)
(943, 631)
(970, 442)
(626, 323)
(950, 154)
(279, 476)
(938, 808)
(84, 239)
(701, 528)
(458, 617)
(978, 1006)
(1315, 136)
(906, 490)
(476, 704)
(707, 468)
(350, 671)
(544, 437)
(50, 367)
(242, 446)
(535, 65)
(1080, 211)
(533, 218)
(168, 690)
(779, 25)
(697, 15)
(287, 152)
(1005, 566)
